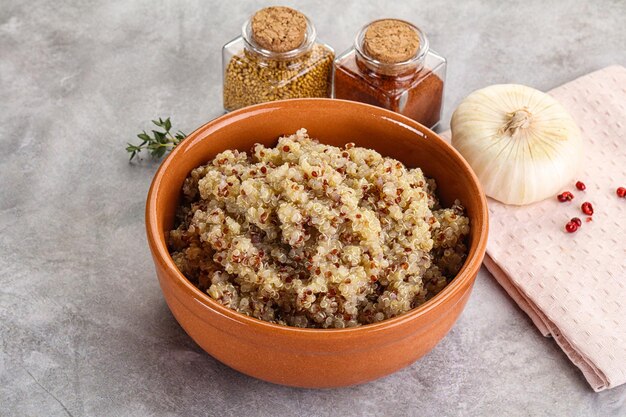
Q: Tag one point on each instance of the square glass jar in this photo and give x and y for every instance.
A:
(253, 75)
(414, 87)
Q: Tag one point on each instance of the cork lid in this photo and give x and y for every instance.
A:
(391, 41)
(278, 28)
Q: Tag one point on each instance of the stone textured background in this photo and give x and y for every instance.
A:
(84, 329)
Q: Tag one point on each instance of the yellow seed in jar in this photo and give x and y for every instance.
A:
(249, 79)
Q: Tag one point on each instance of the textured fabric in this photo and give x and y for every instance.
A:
(573, 286)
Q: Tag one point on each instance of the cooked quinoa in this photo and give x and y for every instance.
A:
(310, 235)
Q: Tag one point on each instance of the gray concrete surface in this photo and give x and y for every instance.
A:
(84, 330)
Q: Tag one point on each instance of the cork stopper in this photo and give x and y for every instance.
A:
(278, 28)
(391, 41)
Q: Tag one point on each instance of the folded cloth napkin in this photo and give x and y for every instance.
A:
(573, 286)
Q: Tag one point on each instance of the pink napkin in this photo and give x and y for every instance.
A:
(573, 286)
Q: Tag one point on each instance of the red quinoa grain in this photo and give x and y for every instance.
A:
(262, 238)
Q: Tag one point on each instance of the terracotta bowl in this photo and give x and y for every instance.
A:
(315, 358)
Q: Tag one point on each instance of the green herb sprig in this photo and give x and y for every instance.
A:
(158, 144)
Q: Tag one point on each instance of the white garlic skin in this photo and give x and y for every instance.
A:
(522, 144)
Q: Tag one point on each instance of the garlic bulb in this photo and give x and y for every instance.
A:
(521, 143)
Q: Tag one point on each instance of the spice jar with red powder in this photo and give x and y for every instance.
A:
(391, 66)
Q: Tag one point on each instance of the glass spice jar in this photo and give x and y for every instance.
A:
(276, 57)
(391, 66)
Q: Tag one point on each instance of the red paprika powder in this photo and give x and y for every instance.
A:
(391, 66)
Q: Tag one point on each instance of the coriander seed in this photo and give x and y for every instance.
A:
(277, 57)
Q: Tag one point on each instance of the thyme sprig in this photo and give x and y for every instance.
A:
(158, 144)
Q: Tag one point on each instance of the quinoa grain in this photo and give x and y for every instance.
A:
(354, 244)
